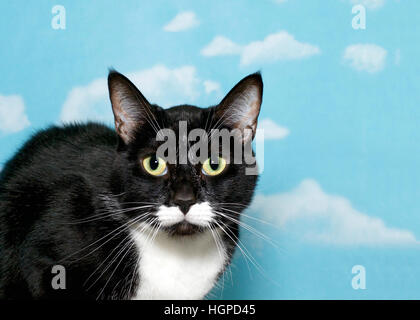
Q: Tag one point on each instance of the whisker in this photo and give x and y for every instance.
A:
(246, 257)
(104, 215)
(112, 195)
(239, 242)
(249, 228)
(250, 217)
(253, 260)
(121, 228)
(219, 250)
(86, 281)
(127, 248)
(233, 204)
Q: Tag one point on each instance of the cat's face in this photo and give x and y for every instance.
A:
(174, 190)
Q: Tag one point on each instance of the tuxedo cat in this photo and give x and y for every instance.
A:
(119, 220)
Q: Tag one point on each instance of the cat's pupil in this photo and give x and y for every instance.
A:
(153, 162)
(214, 165)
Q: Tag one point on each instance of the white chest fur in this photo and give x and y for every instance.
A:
(177, 268)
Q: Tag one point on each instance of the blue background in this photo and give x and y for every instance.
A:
(353, 134)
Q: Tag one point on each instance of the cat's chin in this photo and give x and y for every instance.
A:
(184, 228)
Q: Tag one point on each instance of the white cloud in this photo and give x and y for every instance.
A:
(12, 114)
(182, 21)
(365, 57)
(277, 46)
(221, 46)
(369, 4)
(87, 103)
(272, 131)
(312, 214)
(159, 84)
(211, 86)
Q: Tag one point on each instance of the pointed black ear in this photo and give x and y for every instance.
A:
(241, 106)
(129, 106)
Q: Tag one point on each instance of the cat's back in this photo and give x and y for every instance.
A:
(61, 148)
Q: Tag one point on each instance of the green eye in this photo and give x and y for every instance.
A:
(213, 168)
(154, 165)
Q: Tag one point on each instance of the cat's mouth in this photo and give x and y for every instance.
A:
(175, 222)
(184, 228)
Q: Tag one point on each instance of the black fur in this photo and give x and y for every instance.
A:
(56, 185)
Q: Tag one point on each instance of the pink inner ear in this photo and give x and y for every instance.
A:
(122, 129)
(244, 109)
(126, 109)
(120, 115)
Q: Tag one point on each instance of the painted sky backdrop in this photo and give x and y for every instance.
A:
(341, 184)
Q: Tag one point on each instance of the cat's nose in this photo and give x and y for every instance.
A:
(184, 198)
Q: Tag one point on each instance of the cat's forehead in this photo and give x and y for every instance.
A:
(193, 116)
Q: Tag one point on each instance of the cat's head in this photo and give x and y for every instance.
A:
(185, 190)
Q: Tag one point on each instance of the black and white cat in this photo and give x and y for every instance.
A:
(122, 222)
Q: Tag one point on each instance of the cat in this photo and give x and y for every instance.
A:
(117, 219)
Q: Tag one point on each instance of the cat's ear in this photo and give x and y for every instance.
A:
(241, 106)
(129, 106)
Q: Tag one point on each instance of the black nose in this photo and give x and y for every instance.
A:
(184, 197)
